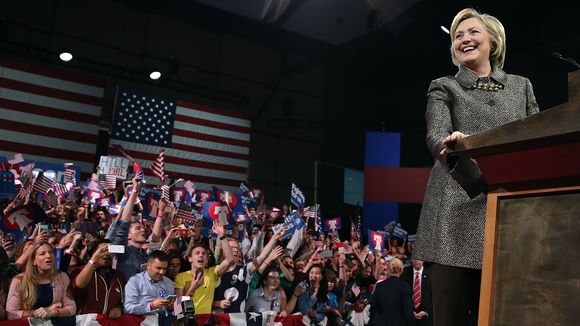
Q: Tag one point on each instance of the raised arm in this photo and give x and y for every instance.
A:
(82, 279)
(229, 259)
(128, 211)
(287, 273)
(158, 226)
(266, 251)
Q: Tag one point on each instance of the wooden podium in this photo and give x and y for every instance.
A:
(531, 262)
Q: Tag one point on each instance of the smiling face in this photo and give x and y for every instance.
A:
(315, 275)
(59, 210)
(471, 44)
(198, 258)
(44, 258)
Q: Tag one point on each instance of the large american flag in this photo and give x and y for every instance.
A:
(48, 115)
(205, 145)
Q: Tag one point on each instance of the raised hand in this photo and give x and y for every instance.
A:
(280, 233)
(275, 253)
(218, 229)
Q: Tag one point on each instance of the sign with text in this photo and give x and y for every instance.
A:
(114, 165)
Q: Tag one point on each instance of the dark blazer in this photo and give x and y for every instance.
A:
(426, 298)
(391, 303)
(452, 222)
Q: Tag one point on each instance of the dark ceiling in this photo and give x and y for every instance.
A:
(401, 44)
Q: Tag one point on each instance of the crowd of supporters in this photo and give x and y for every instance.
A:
(121, 264)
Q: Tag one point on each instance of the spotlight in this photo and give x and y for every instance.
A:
(443, 28)
(155, 75)
(65, 56)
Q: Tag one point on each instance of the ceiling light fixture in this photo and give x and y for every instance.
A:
(155, 75)
(65, 56)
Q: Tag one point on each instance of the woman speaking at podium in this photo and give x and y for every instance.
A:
(480, 96)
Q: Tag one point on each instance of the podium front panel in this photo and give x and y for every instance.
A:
(536, 269)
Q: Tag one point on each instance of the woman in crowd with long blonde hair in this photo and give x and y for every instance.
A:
(41, 291)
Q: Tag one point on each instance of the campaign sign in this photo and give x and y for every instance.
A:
(179, 194)
(16, 220)
(376, 241)
(214, 210)
(114, 165)
(225, 196)
(389, 227)
(150, 200)
(7, 186)
(296, 196)
(291, 223)
(334, 223)
(399, 233)
(202, 196)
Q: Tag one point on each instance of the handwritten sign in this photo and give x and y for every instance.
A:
(114, 165)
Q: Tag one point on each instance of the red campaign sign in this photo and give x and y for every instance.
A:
(227, 197)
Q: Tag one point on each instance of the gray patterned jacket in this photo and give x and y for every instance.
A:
(451, 226)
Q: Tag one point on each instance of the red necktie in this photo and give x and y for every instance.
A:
(417, 290)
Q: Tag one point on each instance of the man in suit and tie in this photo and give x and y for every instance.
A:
(420, 283)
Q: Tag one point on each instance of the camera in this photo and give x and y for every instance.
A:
(188, 313)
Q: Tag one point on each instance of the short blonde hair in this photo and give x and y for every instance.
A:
(496, 34)
(396, 266)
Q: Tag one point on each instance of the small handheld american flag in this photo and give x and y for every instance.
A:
(158, 166)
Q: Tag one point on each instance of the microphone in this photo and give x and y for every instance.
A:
(571, 61)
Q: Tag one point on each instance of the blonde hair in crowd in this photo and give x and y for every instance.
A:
(496, 34)
(396, 266)
(31, 276)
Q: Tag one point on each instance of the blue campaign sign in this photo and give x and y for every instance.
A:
(399, 233)
(7, 186)
(291, 223)
(150, 201)
(376, 240)
(296, 196)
